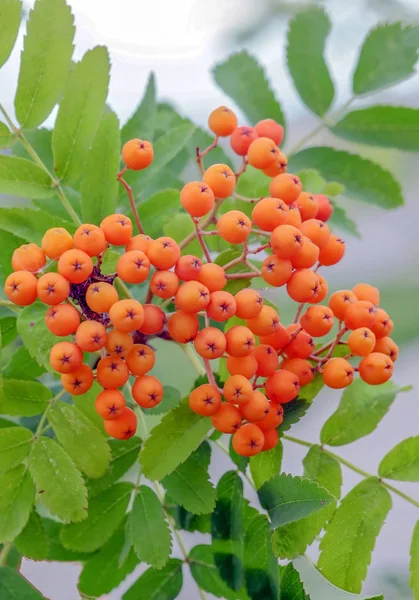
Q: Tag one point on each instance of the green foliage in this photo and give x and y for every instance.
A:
(351, 534)
(6, 137)
(30, 224)
(23, 398)
(13, 585)
(22, 366)
(45, 61)
(171, 399)
(10, 12)
(58, 483)
(86, 404)
(389, 55)
(8, 330)
(240, 461)
(16, 501)
(402, 462)
(179, 226)
(414, 562)
(40, 140)
(293, 412)
(154, 584)
(307, 35)
(340, 220)
(20, 177)
(266, 465)
(56, 551)
(148, 529)
(186, 520)
(15, 443)
(159, 209)
(261, 567)
(291, 587)
(33, 542)
(205, 573)
(124, 454)
(142, 124)
(80, 113)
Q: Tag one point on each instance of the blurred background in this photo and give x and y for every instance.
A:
(181, 41)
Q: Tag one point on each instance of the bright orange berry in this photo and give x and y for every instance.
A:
(75, 265)
(183, 326)
(300, 367)
(197, 198)
(62, 319)
(140, 359)
(267, 360)
(90, 239)
(90, 336)
(163, 253)
(139, 242)
(388, 347)
(212, 276)
(286, 186)
(147, 391)
(192, 297)
(256, 408)
(234, 226)
(205, 400)
(265, 323)
(222, 121)
(339, 302)
(221, 179)
(78, 382)
(117, 229)
(286, 241)
(240, 341)
(110, 404)
(101, 296)
(126, 315)
(164, 284)
(248, 440)
(376, 368)
(317, 320)
(269, 213)
(56, 241)
(360, 313)
(221, 307)
(241, 138)
(137, 154)
(227, 418)
(210, 343)
(303, 285)
(276, 271)
(124, 426)
(262, 153)
(244, 365)
(269, 128)
(338, 373)
(249, 303)
(188, 267)
(364, 291)
(361, 341)
(52, 288)
(154, 319)
(28, 257)
(333, 252)
(118, 343)
(237, 389)
(111, 372)
(65, 357)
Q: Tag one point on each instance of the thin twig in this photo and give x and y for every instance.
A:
(128, 188)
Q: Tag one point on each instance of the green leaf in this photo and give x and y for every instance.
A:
(10, 13)
(361, 408)
(333, 188)
(178, 227)
(58, 482)
(105, 570)
(40, 140)
(56, 551)
(312, 180)
(414, 561)
(233, 286)
(363, 179)
(350, 536)
(148, 529)
(244, 80)
(227, 530)
(5, 423)
(293, 412)
(143, 122)
(22, 366)
(205, 573)
(80, 113)
(8, 330)
(106, 513)
(6, 137)
(186, 520)
(13, 559)
(340, 220)
(171, 399)
(240, 461)
(124, 454)
(32, 542)
(290, 498)
(16, 501)
(86, 404)
(23, 398)
(307, 35)
(388, 126)
(388, 55)
(81, 439)
(14, 587)
(402, 462)
(29, 224)
(291, 587)
(159, 209)
(172, 441)
(15, 443)
(261, 567)
(8, 243)
(45, 61)
(158, 584)
(22, 178)
(99, 187)
(266, 465)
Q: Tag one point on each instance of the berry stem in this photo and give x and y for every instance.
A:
(242, 275)
(245, 198)
(298, 313)
(337, 339)
(203, 224)
(242, 168)
(201, 240)
(201, 153)
(128, 188)
(252, 267)
(208, 371)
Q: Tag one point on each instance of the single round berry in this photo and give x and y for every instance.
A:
(317, 231)
(317, 320)
(269, 213)
(338, 373)
(282, 387)
(237, 389)
(276, 271)
(300, 367)
(164, 284)
(163, 253)
(126, 315)
(62, 319)
(267, 360)
(139, 242)
(271, 439)
(117, 229)
(227, 418)
(56, 241)
(90, 239)
(273, 419)
(221, 307)
(340, 301)
(248, 440)
(301, 344)
(52, 288)
(256, 408)
(118, 343)
(376, 368)
(365, 291)
(123, 427)
(222, 121)
(249, 303)
(286, 241)
(361, 341)
(78, 382)
(75, 265)
(265, 323)
(133, 267)
(205, 400)
(197, 198)
(91, 336)
(234, 226)
(101, 296)
(262, 153)
(360, 313)
(210, 343)
(388, 347)
(188, 267)
(308, 255)
(240, 341)
(154, 319)
(324, 207)
(286, 186)
(147, 391)
(307, 205)
(333, 252)
(269, 128)
(140, 359)
(183, 326)
(221, 179)
(28, 257)
(241, 138)
(244, 365)
(212, 276)
(280, 338)
(303, 285)
(137, 154)
(383, 325)
(110, 404)
(65, 357)
(278, 167)
(112, 372)
(192, 297)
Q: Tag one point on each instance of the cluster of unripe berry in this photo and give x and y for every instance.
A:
(267, 362)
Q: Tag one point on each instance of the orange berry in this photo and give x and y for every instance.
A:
(78, 382)
(126, 315)
(265, 323)
(75, 265)
(205, 400)
(360, 313)
(222, 306)
(276, 271)
(338, 373)
(154, 319)
(234, 226)
(197, 198)
(249, 303)
(339, 302)
(307, 206)
(269, 213)
(300, 367)
(303, 285)
(241, 138)
(117, 229)
(222, 121)
(383, 325)
(227, 418)
(101, 296)
(308, 255)
(240, 341)
(256, 408)
(237, 389)
(282, 387)
(301, 345)
(124, 426)
(333, 252)
(269, 128)
(62, 319)
(364, 291)
(90, 239)
(286, 186)
(65, 357)
(388, 347)
(188, 267)
(137, 154)
(278, 340)
(164, 284)
(147, 391)
(220, 179)
(278, 167)
(244, 365)
(271, 440)
(324, 207)
(317, 231)
(28, 257)
(140, 359)
(273, 419)
(118, 343)
(267, 360)
(56, 241)
(163, 253)
(111, 372)
(322, 290)
(139, 242)
(192, 297)
(317, 320)
(90, 336)
(210, 343)
(52, 288)
(133, 267)
(293, 216)
(110, 404)
(183, 326)
(262, 153)
(376, 368)
(361, 341)
(212, 276)
(248, 440)
(286, 241)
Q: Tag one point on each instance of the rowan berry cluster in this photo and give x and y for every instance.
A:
(268, 363)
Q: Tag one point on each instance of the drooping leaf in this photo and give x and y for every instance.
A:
(8, 330)
(351, 534)
(10, 12)
(29, 224)
(261, 567)
(148, 529)
(86, 404)
(23, 398)
(402, 462)
(15, 444)
(45, 61)
(106, 512)
(388, 55)
(124, 453)
(16, 501)
(158, 584)
(361, 408)
(80, 113)
(291, 587)
(142, 123)
(32, 542)
(363, 179)
(80, 438)
(59, 485)
(205, 572)
(307, 35)
(22, 178)
(266, 465)
(14, 586)
(414, 562)
(22, 366)
(340, 220)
